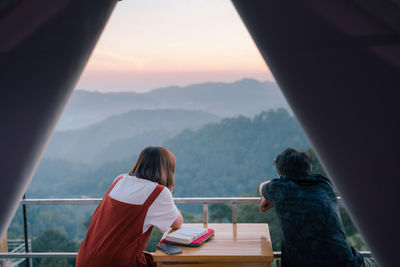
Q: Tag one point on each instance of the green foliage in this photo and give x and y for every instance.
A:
(316, 164)
(57, 262)
(187, 217)
(66, 219)
(57, 178)
(16, 229)
(87, 222)
(220, 213)
(232, 157)
(352, 234)
(54, 241)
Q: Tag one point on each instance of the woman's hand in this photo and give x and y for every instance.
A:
(265, 205)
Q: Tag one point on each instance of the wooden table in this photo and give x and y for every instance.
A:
(243, 244)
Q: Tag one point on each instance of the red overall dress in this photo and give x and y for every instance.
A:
(114, 237)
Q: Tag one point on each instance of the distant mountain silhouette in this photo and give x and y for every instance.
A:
(122, 135)
(244, 97)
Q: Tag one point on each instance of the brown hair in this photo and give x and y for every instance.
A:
(156, 164)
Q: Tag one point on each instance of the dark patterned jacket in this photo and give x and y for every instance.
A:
(311, 228)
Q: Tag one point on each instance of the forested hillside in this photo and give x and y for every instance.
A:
(244, 97)
(123, 135)
(237, 152)
(231, 157)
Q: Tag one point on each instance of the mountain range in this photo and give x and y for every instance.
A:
(244, 97)
(225, 158)
(122, 135)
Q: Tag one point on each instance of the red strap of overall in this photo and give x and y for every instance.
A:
(149, 200)
(153, 195)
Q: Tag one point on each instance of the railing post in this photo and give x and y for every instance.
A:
(26, 236)
(205, 213)
(234, 212)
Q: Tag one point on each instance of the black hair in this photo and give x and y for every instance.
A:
(292, 162)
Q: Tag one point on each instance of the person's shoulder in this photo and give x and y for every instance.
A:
(273, 183)
(129, 183)
(166, 192)
(140, 181)
(326, 185)
(279, 181)
(321, 178)
(165, 195)
(122, 175)
(269, 188)
(274, 180)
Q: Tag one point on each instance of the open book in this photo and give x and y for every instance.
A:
(186, 234)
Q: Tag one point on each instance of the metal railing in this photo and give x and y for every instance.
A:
(196, 200)
(205, 201)
(17, 246)
(183, 200)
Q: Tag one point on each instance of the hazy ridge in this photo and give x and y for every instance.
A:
(122, 135)
(244, 97)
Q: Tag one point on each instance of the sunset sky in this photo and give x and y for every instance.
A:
(158, 43)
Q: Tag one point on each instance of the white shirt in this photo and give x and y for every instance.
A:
(132, 190)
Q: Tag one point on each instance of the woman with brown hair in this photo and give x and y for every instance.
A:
(122, 223)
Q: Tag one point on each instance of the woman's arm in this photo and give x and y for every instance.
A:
(178, 222)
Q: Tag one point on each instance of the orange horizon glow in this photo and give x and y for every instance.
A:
(145, 81)
(154, 44)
